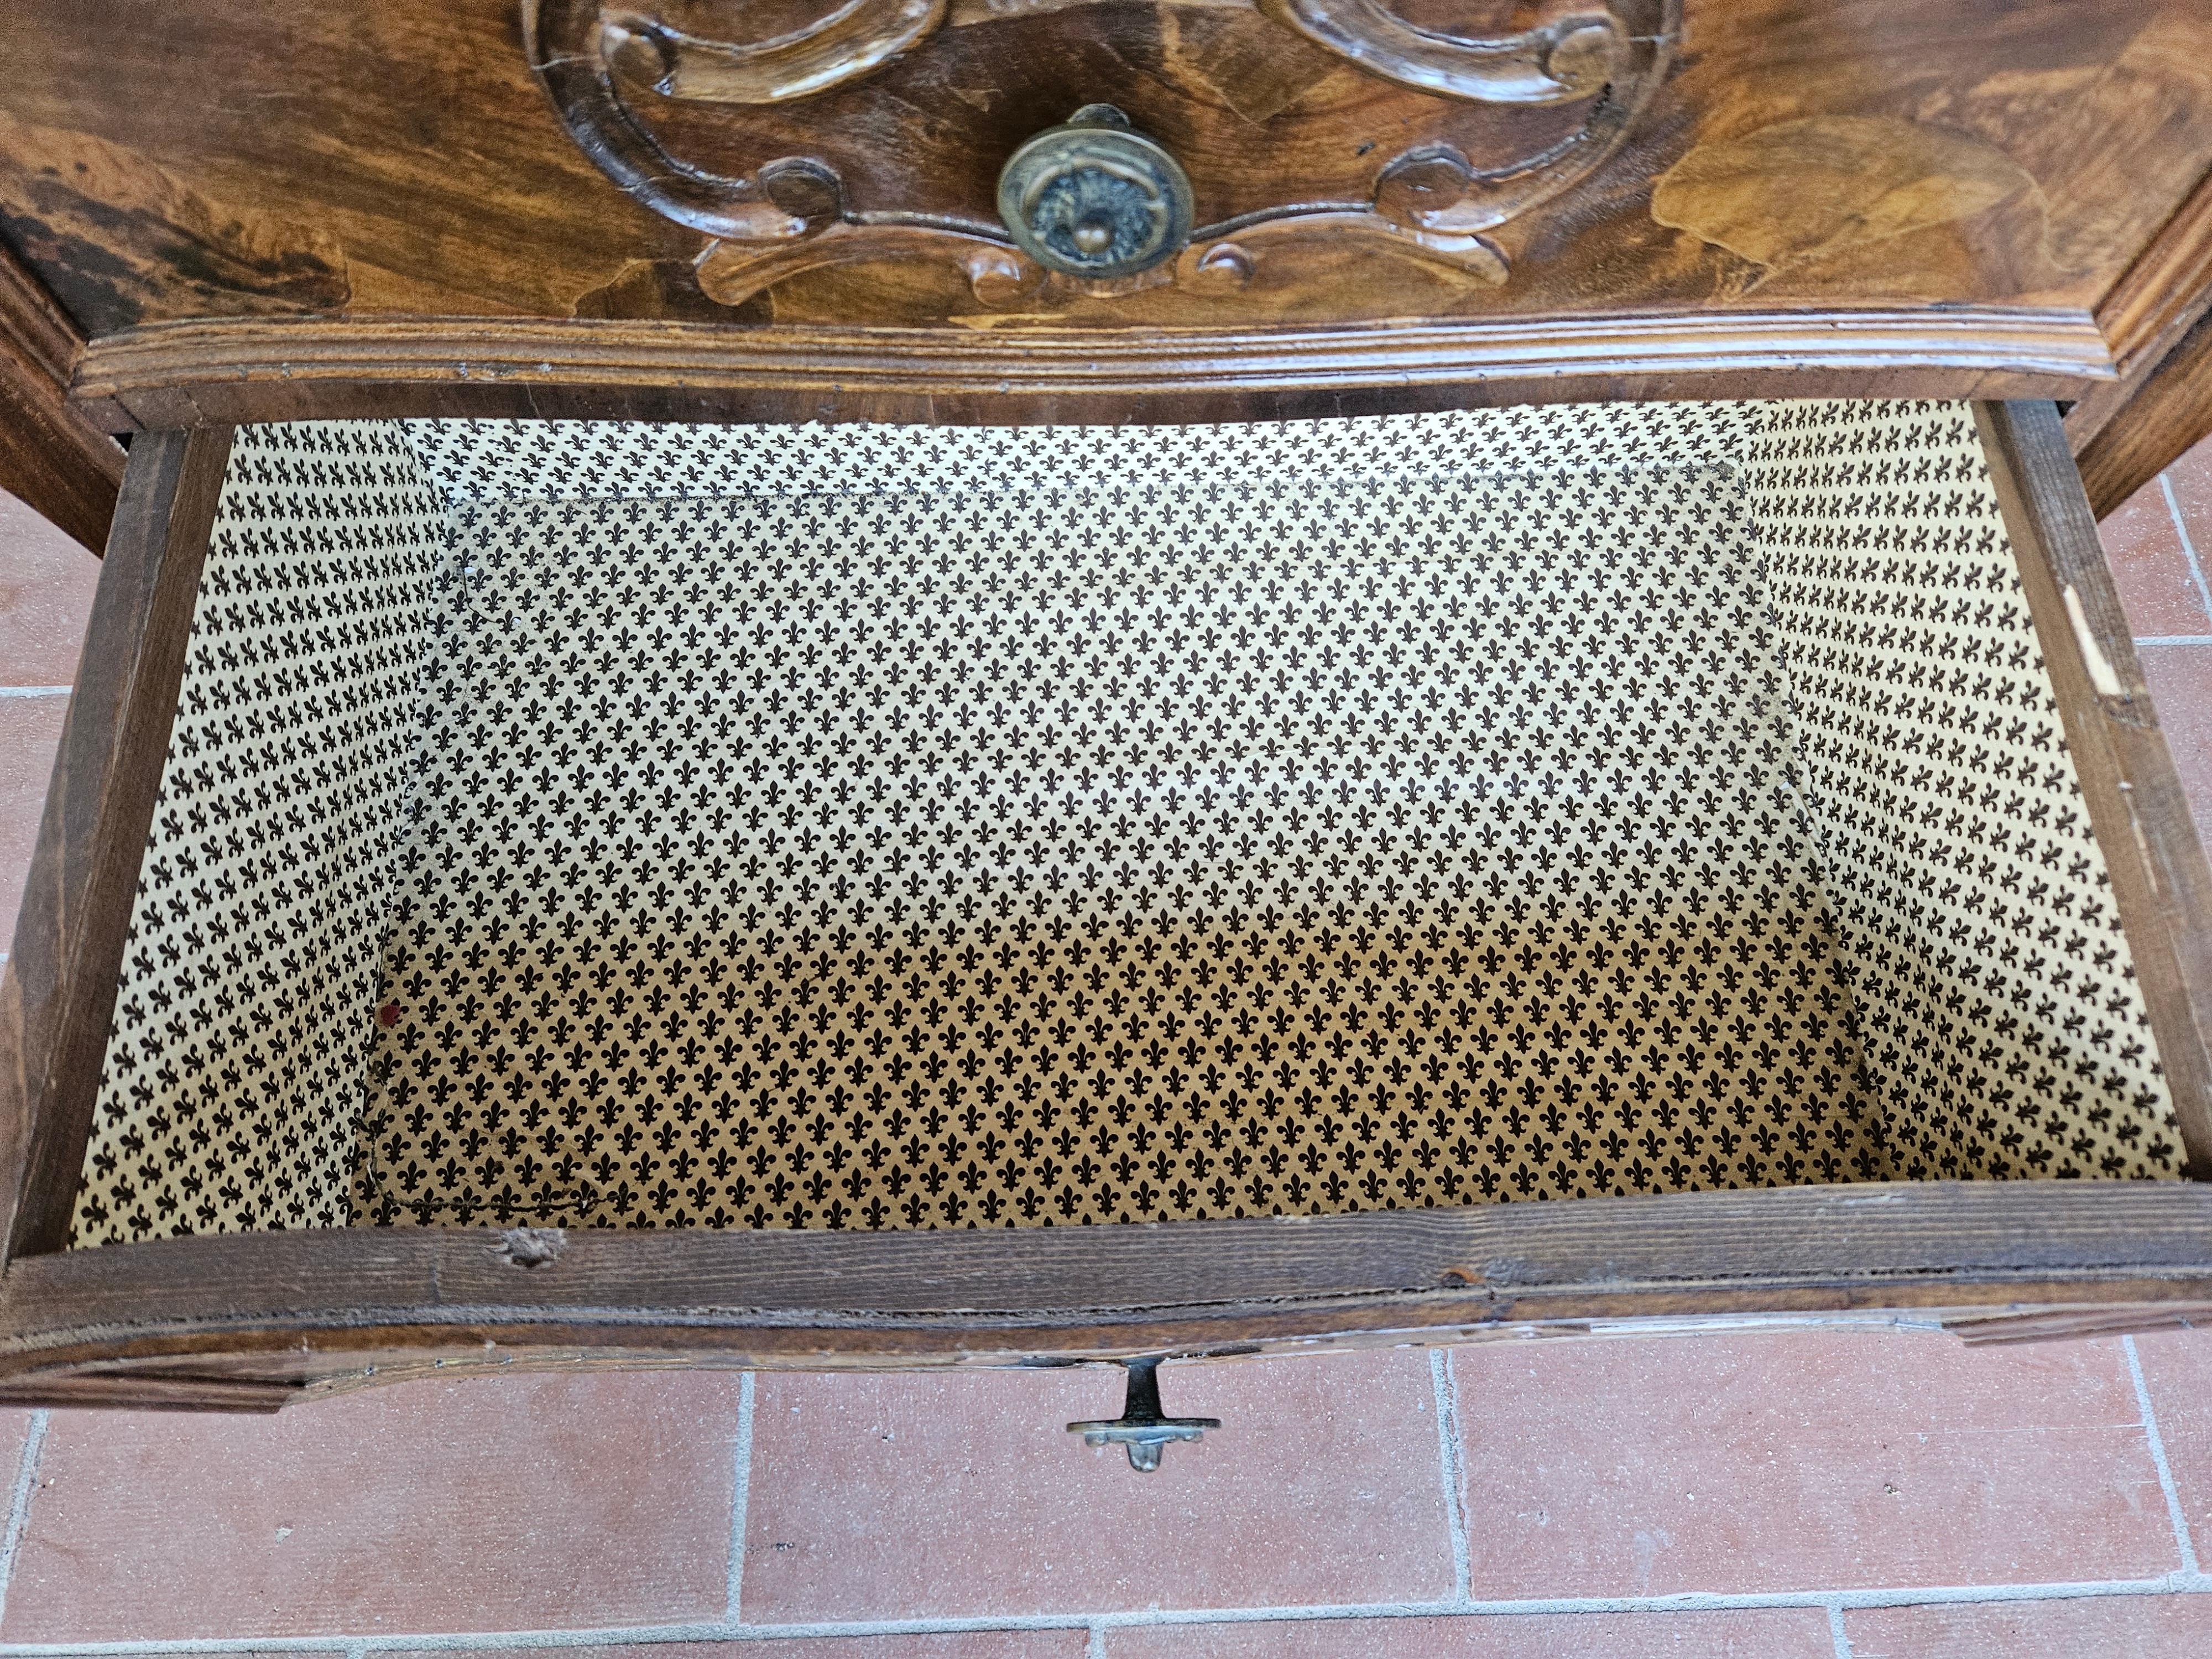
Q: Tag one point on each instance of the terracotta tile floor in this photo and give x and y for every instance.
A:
(1769, 1495)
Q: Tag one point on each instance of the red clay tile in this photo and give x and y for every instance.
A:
(30, 731)
(2180, 677)
(959, 1495)
(45, 597)
(13, 1426)
(1802, 1460)
(955, 1644)
(2095, 1627)
(2177, 1369)
(2192, 478)
(521, 1503)
(2143, 548)
(1765, 1633)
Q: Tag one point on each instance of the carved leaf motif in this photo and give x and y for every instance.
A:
(1799, 190)
(591, 60)
(666, 289)
(118, 236)
(1570, 58)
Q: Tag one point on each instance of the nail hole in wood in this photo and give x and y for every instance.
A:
(531, 1246)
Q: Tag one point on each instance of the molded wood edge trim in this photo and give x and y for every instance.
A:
(185, 372)
(33, 322)
(52, 455)
(2165, 289)
(2149, 311)
(2168, 410)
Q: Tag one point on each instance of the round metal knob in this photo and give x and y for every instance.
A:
(1095, 198)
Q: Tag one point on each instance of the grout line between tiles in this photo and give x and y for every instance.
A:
(741, 1458)
(1094, 1648)
(1836, 1633)
(2173, 639)
(2157, 1442)
(18, 1502)
(1448, 1456)
(2188, 547)
(1832, 1601)
(34, 691)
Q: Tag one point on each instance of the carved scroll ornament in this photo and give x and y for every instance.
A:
(1555, 64)
(790, 214)
(844, 44)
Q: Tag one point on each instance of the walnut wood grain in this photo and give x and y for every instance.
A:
(575, 57)
(179, 373)
(2168, 412)
(295, 1307)
(51, 457)
(2162, 884)
(57, 994)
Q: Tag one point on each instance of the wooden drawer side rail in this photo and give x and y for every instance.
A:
(2161, 881)
(58, 992)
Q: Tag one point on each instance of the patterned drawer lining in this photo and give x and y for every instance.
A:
(1066, 826)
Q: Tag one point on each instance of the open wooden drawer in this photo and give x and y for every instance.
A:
(518, 893)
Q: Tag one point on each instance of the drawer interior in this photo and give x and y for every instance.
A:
(596, 824)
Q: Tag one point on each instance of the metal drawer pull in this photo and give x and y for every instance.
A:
(1141, 1429)
(1095, 197)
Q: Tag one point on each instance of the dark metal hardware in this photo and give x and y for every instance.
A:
(1096, 199)
(1141, 1429)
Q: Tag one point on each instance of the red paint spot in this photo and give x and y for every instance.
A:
(388, 1015)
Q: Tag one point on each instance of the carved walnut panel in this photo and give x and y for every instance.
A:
(1153, 153)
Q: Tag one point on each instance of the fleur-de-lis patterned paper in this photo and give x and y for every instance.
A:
(892, 827)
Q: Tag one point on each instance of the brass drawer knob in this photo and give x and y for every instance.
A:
(1096, 198)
